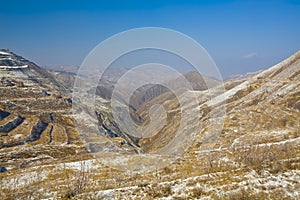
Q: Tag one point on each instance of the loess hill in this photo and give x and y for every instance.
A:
(256, 155)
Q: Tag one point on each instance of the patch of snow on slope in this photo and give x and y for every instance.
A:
(14, 67)
(228, 94)
(4, 53)
(80, 165)
(7, 58)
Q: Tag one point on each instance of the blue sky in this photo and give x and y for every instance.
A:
(241, 36)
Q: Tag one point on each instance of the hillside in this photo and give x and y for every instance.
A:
(35, 116)
(149, 92)
(253, 154)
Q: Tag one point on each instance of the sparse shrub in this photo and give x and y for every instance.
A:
(239, 195)
(247, 195)
(197, 192)
(167, 170)
(143, 184)
(191, 183)
(159, 191)
(79, 184)
(166, 190)
(10, 191)
(179, 198)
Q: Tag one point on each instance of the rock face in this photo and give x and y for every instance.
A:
(255, 155)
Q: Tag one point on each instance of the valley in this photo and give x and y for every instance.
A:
(245, 144)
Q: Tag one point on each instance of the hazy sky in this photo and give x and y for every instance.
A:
(240, 36)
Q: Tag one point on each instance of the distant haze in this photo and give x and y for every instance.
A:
(241, 36)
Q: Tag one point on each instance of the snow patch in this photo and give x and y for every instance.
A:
(228, 94)
(14, 67)
(81, 165)
(6, 58)
(18, 136)
(4, 53)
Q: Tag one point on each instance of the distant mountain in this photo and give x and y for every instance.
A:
(72, 69)
(147, 93)
(66, 75)
(244, 76)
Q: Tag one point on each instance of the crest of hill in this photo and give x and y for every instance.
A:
(16, 67)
